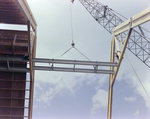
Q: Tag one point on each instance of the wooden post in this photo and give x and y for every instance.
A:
(31, 75)
(110, 91)
(112, 77)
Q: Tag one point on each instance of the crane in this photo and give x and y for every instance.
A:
(135, 41)
(138, 43)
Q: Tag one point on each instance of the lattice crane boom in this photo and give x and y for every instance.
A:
(138, 44)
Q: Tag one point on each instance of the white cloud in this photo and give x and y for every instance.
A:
(102, 80)
(141, 91)
(134, 82)
(54, 85)
(95, 78)
(48, 95)
(136, 114)
(130, 99)
(60, 80)
(100, 100)
(63, 82)
(59, 83)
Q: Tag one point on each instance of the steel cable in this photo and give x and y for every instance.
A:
(137, 76)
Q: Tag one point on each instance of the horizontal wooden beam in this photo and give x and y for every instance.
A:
(10, 38)
(11, 52)
(27, 12)
(14, 89)
(14, 80)
(6, 1)
(11, 33)
(17, 107)
(14, 69)
(16, 44)
(14, 98)
(13, 116)
(136, 20)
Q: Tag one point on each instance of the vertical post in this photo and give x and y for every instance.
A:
(122, 54)
(110, 91)
(33, 55)
(31, 75)
(112, 77)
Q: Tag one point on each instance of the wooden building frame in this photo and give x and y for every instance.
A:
(128, 25)
(16, 43)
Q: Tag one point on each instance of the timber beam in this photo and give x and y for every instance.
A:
(24, 7)
(137, 20)
(14, 69)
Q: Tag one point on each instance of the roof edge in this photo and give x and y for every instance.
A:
(24, 7)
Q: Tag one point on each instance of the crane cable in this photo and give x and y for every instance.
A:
(71, 22)
(137, 76)
(73, 44)
(113, 115)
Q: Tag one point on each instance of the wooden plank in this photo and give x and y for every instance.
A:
(7, 1)
(17, 107)
(14, 80)
(16, 44)
(11, 52)
(10, 37)
(11, 9)
(32, 40)
(14, 69)
(110, 91)
(11, 6)
(10, 16)
(11, 33)
(31, 74)
(17, 116)
(122, 54)
(14, 98)
(24, 7)
(20, 12)
(14, 89)
(138, 19)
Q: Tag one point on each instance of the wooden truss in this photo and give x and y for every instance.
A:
(128, 25)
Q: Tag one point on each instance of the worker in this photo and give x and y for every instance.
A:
(26, 57)
(116, 57)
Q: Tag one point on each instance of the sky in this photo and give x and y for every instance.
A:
(64, 95)
(59, 95)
